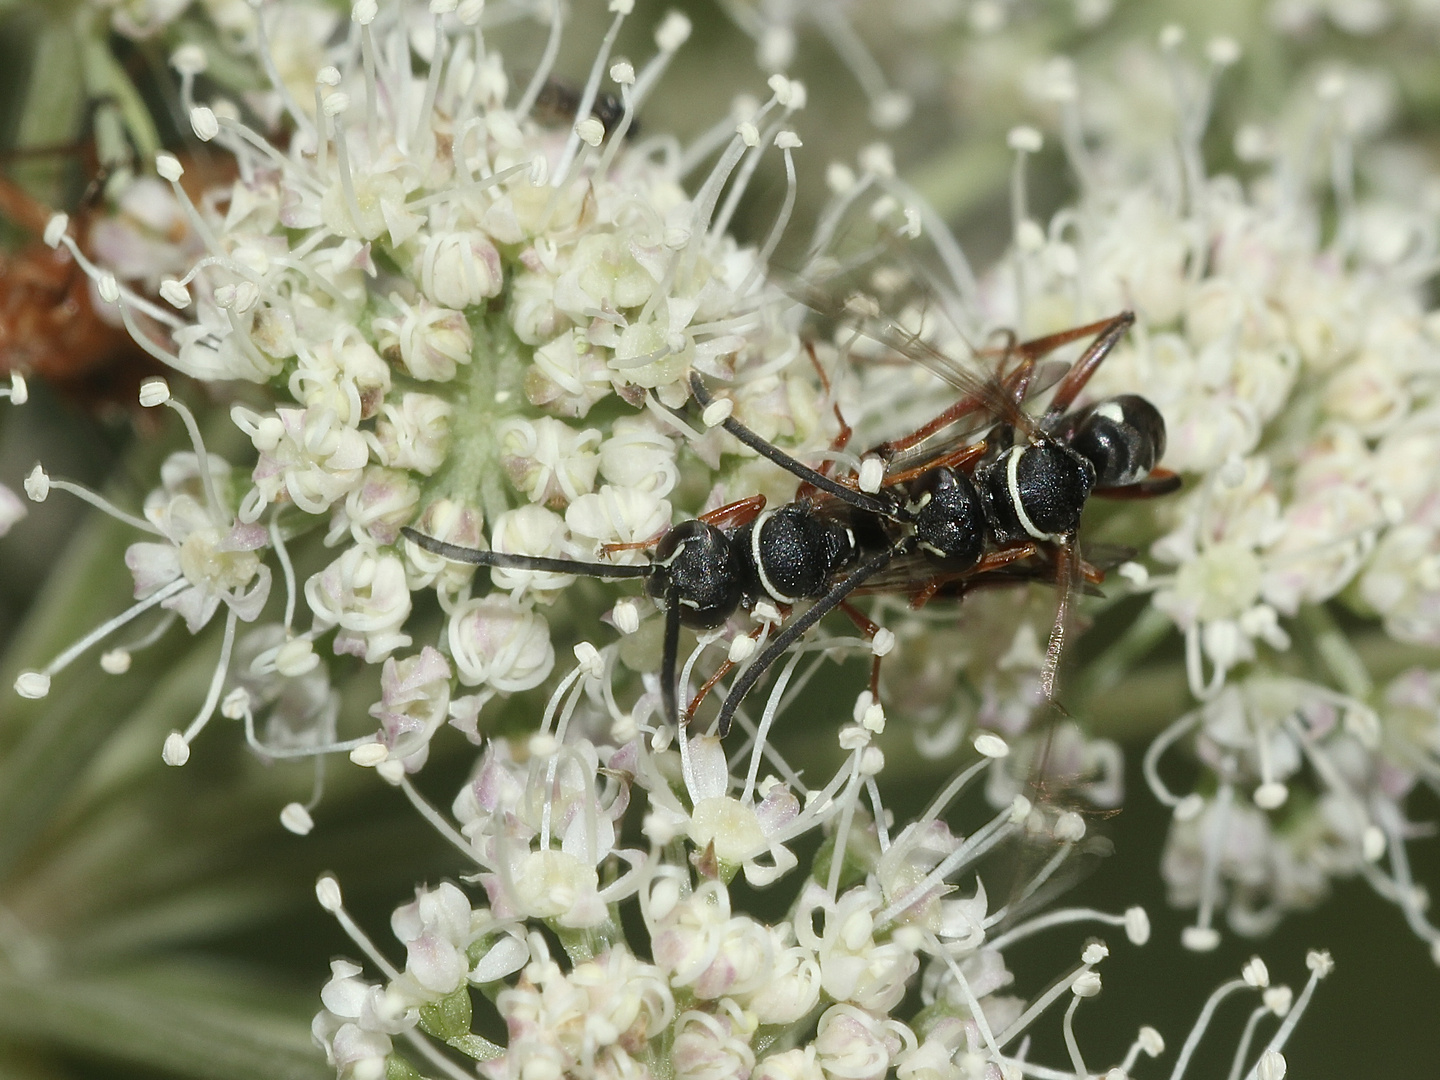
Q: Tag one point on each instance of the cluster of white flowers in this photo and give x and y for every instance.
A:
(441, 291)
(825, 991)
(1296, 367)
(459, 314)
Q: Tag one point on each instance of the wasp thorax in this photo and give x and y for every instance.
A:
(949, 517)
(1036, 491)
(791, 553)
(1122, 437)
(696, 567)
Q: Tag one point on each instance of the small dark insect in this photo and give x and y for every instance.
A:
(961, 518)
(559, 102)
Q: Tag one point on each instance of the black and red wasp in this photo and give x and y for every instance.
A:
(965, 515)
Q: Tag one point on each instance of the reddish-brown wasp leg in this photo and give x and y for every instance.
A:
(956, 459)
(842, 437)
(733, 515)
(1109, 335)
(740, 512)
(869, 628)
(632, 545)
(724, 669)
(993, 560)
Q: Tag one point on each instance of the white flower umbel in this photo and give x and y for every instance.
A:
(432, 279)
(1291, 361)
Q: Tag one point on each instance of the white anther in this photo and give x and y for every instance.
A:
(296, 819)
(717, 412)
(189, 59)
(55, 229)
(913, 223)
(539, 170)
(1200, 938)
(675, 237)
(1188, 808)
(872, 475)
(591, 131)
(235, 704)
(787, 140)
(19, 389)
(176, 750)
(741, 649)
(1020, 808)
(443, 7)
(1372, 843)
(1255, 973)
(673, 32)
(748, 132)
(1137, 925)
(204, 123)
(622, 7)
(369, 754)
(329, 75)
(853, 737)
(1271, 796)
(626, 616)
(154, 391)
(1029, 236)
(1086, 984)
(174, 293)
(37, 484)
(32, 684)
(327, 891)
(115, 661)
(336, 103)
(108, 287)
(589, 659)
(296, 657)
(1151, 1041)
(1024, 139)
(882, 643)
(1320, 963)
(542, 744)
(1222, 51)
(247, 295)
(1135, 573)
(391, 770)
(765, 612)
(1070, 828)
(1271, 1066)
(364, 12)
(168, 166)
(872, 761)
(839, 178)
(991, 745)
(874, 718)
(1278, 999)
(1094, 952)
(622, 72)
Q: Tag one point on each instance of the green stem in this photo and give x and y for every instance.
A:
(183, 1021)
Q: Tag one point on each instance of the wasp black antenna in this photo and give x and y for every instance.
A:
(858, 499)
(506, 560)
(792, 633)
